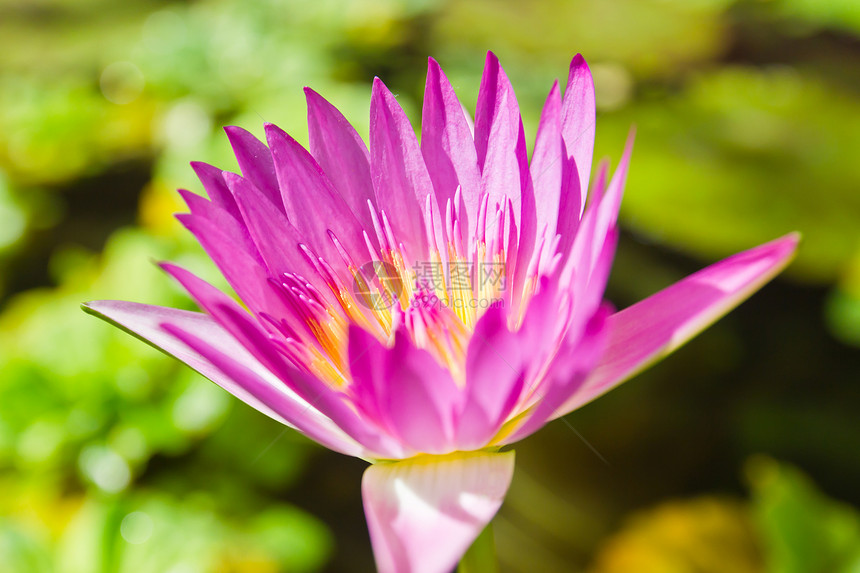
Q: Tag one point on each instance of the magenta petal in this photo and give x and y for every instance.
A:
(495, 374)
(578, 121)
(216, 188)
(312, 204)
(501, 145)
(246, 331)
(216, 303)
(251, 382)
(421, 398)
(610, 200)
(425, 512)
(448, 148)
(399, 173)
(276, 238)
(649, 330)
(255, 161)
(367, 368)
(594, 244)
(270, 391)
(341, 154)
(245, 274)
(547, 165)
(503, 158)
(565, 375)
(407, 390)
(320, 394)
(220, 218)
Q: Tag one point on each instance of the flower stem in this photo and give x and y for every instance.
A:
(481, 556)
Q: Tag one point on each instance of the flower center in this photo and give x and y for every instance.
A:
(437, 301)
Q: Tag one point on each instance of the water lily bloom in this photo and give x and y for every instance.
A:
(424, 305)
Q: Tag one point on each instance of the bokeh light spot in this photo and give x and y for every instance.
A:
(105, 468)
(136, 527)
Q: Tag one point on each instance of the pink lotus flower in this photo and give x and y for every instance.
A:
(494, 267)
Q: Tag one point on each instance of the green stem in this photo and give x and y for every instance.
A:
(481, 556)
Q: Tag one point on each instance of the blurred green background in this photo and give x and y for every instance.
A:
(739, 453)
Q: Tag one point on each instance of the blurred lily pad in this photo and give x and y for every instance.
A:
(742, 156)
(803, 530)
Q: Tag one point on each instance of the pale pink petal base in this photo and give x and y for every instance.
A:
(423, 513)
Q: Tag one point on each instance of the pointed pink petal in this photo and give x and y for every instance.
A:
(595, 232)
(588, 287)
(578, 121)
(311, 203)
(610, 200)
(565, 375)
(250, 381)
(413, 396)
(367, 369)
(448, 148)
(569, 205)
(256, 163)
(495, 374)
(503, 158)
(547, 165)
(341, 154)
(268, 389)
(245, 274)
(213, 183)
(322, 395)
(424, 513)
(230, 224)
(399, 173)
(245, 330)
(501, 146)
(275, 236)
(649, 330)
(546, 320)
(215, 302)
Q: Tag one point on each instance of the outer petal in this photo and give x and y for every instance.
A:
(311, 202)
(245, 274)
(322, 395)
(495, 374)
(410, 393)
(264, 386)
(448, 148)
(256, 163)
(342, 154)
(423, 513)
(501, 145)
(254, 386)
(578, 121)
(547, 166)
(649, 330)
(399, 173)
(222, 219)
(216, 188)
